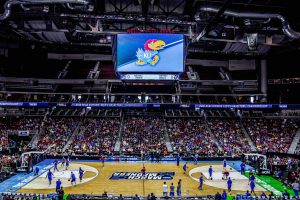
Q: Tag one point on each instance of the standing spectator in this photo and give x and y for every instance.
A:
(165, 189)
(295, 186)
(177, 160)
(224, 195)
(218, 196)
(60, 193)
(136, 197)
(120, 197)
(178, 189)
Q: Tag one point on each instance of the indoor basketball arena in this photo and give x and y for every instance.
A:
(149, 99)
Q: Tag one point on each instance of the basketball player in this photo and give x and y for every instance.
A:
(243, 168)
(210, 171)
(229, 184)
(200, 182)
(49, 176)
(55, 165)
(224, 163)
(36, 171)
(67, 163)
(172, 189)
(58, 185)
(252, 186)
(73, 178)
(184, 167)
(81, 172)
(225, 174)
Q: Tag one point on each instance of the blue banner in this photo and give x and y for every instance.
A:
(156, 105)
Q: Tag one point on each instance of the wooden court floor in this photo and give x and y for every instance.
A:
(102, 182)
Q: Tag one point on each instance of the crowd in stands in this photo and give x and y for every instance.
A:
(285, 168)
(98, 136)
(288, 161)
(271, 135)
(230, 136)
(12, 125)
(8, 164)
(190, 136)
(57, 132)
(24, 124)
(3, 137)
(143, 134)
(297, 151)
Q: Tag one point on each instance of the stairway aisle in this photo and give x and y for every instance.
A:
(295, 142)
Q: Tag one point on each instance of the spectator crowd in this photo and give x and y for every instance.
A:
(271, 135)
(230, 136)
(97, 136)
(144, 134)
(141, 135)
(190, 136)
(57, 132)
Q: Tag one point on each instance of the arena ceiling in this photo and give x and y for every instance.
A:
(212, 26)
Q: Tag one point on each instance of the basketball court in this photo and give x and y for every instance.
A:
(126, 178)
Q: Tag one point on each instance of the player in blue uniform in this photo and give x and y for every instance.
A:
(224, 195)
(49, 176)
(67, 163)
(184, 168)
(58, 185)
(55, 165)
(210, 171)
(224, 163)
(73, 178)
(172, 190)
(200, 182)
(252, 177)
(36, 171)
(252, 186)
(229, 184)
(243, 166)
(81, 172)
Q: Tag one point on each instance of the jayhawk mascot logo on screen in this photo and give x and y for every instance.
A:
(150, 53)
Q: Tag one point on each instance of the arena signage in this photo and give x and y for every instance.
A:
(168, 31)
(141, 105)
(149, 77)
(141, 176)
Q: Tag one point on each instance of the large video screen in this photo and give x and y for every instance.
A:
(151, 53)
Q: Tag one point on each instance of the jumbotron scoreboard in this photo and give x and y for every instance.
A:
(145, 56)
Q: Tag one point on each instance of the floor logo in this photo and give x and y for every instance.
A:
(141, 176)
